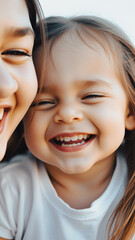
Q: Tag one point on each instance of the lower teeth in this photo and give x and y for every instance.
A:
(72, 145)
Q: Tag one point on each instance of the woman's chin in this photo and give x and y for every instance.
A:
(3, 148)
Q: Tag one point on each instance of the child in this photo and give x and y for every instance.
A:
(83, 131)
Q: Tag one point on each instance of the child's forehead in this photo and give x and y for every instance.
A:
(80, 36)
(72, 42)
(76, 39)
(75, 42)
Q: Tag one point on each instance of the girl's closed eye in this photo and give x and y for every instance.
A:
(44, 104)
(93, 98)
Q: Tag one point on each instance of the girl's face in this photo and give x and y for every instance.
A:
(18, 83)
(83, 109)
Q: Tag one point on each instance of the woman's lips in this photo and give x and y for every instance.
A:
(73, 143)
(3, 115)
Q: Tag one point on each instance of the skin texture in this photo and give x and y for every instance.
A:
(82, 95)
(18, 82)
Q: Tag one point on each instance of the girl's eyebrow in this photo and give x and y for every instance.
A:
(20, 32)
(48, 89)
(93, 82)
(80, 84)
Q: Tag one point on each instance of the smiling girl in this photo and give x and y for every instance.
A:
(81, 131)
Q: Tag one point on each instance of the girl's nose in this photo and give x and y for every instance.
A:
(8, 85)
(68, 114)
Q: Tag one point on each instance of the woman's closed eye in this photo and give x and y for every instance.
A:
(16, 52)
(16, 56)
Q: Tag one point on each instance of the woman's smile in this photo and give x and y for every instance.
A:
(3, 116)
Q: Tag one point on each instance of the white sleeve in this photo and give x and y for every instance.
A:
(7, 209)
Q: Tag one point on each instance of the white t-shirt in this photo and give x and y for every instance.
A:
(30, 208)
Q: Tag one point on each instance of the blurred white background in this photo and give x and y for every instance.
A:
(121, 12)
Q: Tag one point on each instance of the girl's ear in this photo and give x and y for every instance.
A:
(130, 122)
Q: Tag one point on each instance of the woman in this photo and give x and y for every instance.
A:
(18, 82)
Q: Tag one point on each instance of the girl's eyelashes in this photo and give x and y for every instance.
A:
(49, 104)
(93, 95)
(92, 98)
(16, 53)
(44, 104)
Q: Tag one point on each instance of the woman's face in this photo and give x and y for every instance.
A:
(18, 82)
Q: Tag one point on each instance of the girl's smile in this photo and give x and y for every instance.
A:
(70, 142)
(82, 107)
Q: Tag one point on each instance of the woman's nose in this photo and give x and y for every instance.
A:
(68, 114)
(8, 85)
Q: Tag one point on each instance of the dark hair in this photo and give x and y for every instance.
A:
(36, 16)
(110, 37)
(32, 9)
(35, 12)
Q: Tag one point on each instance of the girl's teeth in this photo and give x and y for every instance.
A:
(1, 113)
(72, 145)
(66, 139)
(81, 136)
(85, 136)
(61, 139)
(74, 138)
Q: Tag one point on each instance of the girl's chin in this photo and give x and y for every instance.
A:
(70, 166)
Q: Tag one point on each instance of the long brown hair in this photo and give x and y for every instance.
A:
(114, 39)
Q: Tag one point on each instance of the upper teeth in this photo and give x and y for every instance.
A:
(74, 138)
(1, 113)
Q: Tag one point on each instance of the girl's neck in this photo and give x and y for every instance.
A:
(80, 190)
